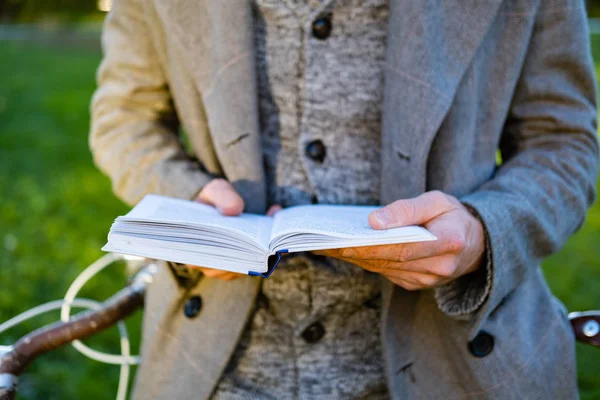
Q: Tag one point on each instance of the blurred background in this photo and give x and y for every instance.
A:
(56, 208)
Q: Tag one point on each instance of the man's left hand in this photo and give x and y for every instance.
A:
(458, 251)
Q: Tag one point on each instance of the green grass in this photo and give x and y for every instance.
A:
(55, 210)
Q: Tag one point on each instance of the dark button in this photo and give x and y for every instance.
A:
(482, 344)
(193, 306)
(316, 151)
(313, 333)
(321, 28)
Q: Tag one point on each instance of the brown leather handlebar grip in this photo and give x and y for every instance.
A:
(586, 326)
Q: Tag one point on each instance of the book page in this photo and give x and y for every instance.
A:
(341, 222)
(165, 210)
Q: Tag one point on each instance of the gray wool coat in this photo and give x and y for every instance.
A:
(463, 79)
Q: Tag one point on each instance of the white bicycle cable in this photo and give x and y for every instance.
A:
(125, 359)
(65, 311)
(42, 309)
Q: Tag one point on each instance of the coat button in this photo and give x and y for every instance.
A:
(313, 333)
(321, 28)
(482, 344)
(192, 306)
(316, 151)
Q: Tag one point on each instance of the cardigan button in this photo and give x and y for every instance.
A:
(321, 28)
(313, 333)
(192, 306)
(482, 344)
(316, 151)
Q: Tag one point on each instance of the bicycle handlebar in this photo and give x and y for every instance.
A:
(586, 326)
(82, 326)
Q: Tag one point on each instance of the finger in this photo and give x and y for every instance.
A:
(416, 279)
(409, 277)
(223, 196)
(211, 273)
(404, 284)
(411, 286)
(442, 266)
(420, 281)
(230, 276)
(415, 211)
(222, 275)
(274, 209)
(194, 266)
(395, 252)
(207, 271)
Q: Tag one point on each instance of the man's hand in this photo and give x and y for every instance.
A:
(221, 194)
(458, 250)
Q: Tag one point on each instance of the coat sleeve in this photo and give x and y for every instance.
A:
(540, 194)
(134, 126)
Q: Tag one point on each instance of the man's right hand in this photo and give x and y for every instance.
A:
(221, 194)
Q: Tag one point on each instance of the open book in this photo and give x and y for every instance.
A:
(191, 233)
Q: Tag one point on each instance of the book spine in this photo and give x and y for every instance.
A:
(273, 262)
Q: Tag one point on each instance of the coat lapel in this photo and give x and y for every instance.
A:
(215, 40)
(430, 45)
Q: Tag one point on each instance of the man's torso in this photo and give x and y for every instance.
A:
(315, 331)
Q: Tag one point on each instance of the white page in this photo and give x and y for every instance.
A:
(188, 257)
(168, 210)
(342, 222)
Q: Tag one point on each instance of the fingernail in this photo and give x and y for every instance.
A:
(383, 216)
(349, 253)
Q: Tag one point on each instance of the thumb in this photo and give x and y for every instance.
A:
(222, 195)
(416, 211)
